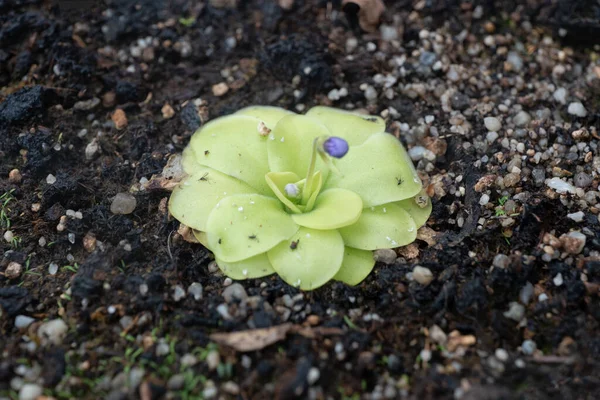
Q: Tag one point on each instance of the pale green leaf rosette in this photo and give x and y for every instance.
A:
(193, 209)
(334, 208)
(307, 197)
(290, 145)
(309, 259)
(269, 115)
(244, 225)
(379, 171)
(233, 146)
(250, 268)
(381, 227)
(419, 208)
(357, 264)
(355, 128)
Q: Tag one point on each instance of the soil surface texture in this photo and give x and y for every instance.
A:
(498, 103)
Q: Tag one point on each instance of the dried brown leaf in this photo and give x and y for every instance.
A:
(252, 339)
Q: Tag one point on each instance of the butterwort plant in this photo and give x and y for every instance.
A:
(308, 197)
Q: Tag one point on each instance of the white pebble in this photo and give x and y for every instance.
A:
(560, 186)
(485, 198)
(422, 275)
(178, 293)
(23, 321)
(492, 124)
(577, 109)
(50, 179)
(560, 95)
(558, 280)
(577, 216)
(30, 391)
(52, 332)
(195, 289)
(313, 375)
(9, 236)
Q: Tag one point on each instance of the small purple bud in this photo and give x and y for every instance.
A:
(335, 147)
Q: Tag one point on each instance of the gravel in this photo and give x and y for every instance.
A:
(422, 275)
(52, 332)
(492, 124)
(577, 109)
(123, 203)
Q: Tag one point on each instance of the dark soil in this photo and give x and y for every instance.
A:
(117, 274)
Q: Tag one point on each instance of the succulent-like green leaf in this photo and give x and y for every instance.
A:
(277, 182)
(381, 227)
(188, 160)
(309, 258)
(194, 198)
(201, 237)
(353, 127)
(233, 146)
(250, 268)
(314, 190)
(334, 208)
(356, 266)
(269, 115)
(419, 213)
(290, 145)
(379, 171)
(245, 225)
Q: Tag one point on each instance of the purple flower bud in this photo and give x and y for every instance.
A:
(335, 147)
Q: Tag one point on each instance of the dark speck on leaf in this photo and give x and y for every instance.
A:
(252, 237)
(206, 152)
(400, 181)
(294, 244)
(220, 240)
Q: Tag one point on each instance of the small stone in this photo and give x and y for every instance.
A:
(558, 280)
(386, 256)
(577, 216)
(52, 332)
(459, 101)
(577, 109)
(176, 382)
(501, 261)
(23, 321)
(573, 242)
(50, 179)
(484, 199)
(123, 203)
(30, 391)
(492, 124)
(501, 355)
(13, 270)
(560, 186)
(189, 360)
(87, 105)
(515, 311)
(234, 292)
(220, 89)
(560, 95)
(526, 293)
(213, 359)
(528, 347)
(195, 290)
(178, 293)
(89, 242)
(53, 268)
(416, 153)
(91, 149)
(511, 179)
(231, 388)
(8, 236)
(125, 321)
(313, 375)
(370, 93)
(521, 119)
(162, 348)
(119, 119)
(167, 111)
(491, 137)
(514, 59)
(582, 180)
(422, 275)
(14, 176)
(438, 335)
